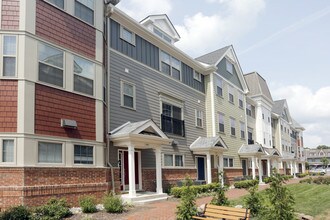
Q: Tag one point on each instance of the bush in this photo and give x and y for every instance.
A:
(322, 180)
(18, 212)
(198, 189)
(302, 175)
(309, 180)
(220, 198)
(87, 204)
(113, 203)
(187, 207)
(246, 184)
(253, 201)
(55, 209)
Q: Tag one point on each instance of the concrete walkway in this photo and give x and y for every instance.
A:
(165, 210)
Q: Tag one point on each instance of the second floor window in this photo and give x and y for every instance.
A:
(50, 65)
(84, 9)
(232, 126)
(83, 75)
(58, 3)
(9, 56)
(170, 65)
(219, 87)
(127, 95)
(242, 125)
(172, 119)
(221, 123)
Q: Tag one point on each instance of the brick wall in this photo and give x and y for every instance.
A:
(229, 175)
(52, 105)
(10, 15)
(8, 106)
(59, 27)
(149, 179)
(171, 176)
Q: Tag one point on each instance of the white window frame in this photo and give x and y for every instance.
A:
(48, 1)
(2, 47)
(199, 115)
(51, 163)
(93, 9)
(219, 84)
(241, 100)
(197, 76)
(242, 129)
(232, 120)
(231, 93)
(122, 82)
(221, 115)
(228, 162)
(1, 151)
(122, 36)
(162, 35)
(87, 77)
(229, 66)
(173, 159)
(170, 64)
(83, 164)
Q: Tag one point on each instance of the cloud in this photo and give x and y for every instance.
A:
(310, 109)
(209, 32)
(141, 9)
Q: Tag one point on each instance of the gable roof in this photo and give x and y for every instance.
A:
(272, 152)
(281, 106)
(258, 86)
(208, 143)
(213, 57)
(251, 149)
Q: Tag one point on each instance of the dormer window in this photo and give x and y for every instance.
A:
(229, 66)
(197, 76)
(127, 35)
(162, 35)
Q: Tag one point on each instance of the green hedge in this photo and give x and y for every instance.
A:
(302, 175)
(197, 189)
(246, 184)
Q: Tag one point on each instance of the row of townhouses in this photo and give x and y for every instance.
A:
(92, 100)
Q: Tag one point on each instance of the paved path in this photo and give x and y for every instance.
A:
(165, 210)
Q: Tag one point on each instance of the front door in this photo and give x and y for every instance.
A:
(201, 168)
(244, 167)
(124, 175)
(264, 167)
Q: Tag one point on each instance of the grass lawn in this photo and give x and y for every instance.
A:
(311, 199)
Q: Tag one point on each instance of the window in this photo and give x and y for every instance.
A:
(8, 151)
(58, 3)
(221, 122)
(242, 125)
(229, 66)
(250, 136)
(83, 154)
(127, 35)
(250, 110)
(219, 87)
(84, 9)
(197, 76)
(263, 116)
(199, 118)
(170, 65)
(231, 94)
(172, 119)
(50, 65)
(127, 95)
(162, 35)
(49, 152)
(232, 126)
(9, 56)
(84, 72)
(228, 162)
(240, 100)
(170, 158)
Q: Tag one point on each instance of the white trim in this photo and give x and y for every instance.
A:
(81, 164)
(199, 76)
(14, 152)
(50, 164)
(228, 158)
(170, 64)
(63, 9)
(196, 118)
(173, 157)
(2, 56)
(213, 119)
(122, 82)
(93, 76)
(93, 9)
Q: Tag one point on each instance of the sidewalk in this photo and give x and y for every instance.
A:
(165, 210)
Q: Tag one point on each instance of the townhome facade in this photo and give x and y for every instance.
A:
(51, 101)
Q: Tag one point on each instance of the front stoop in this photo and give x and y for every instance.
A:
(144, 197)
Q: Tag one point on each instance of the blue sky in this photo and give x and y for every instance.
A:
(287, 42)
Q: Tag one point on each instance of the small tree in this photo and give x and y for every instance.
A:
(281, 201)
(187, 207)
(325, 162)
(220, 198)
(254, 201)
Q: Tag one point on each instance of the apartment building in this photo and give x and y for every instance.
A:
(51, 101)
(314, 156)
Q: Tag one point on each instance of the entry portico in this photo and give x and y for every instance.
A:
(140, 135)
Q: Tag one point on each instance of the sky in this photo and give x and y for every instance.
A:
(286, 42)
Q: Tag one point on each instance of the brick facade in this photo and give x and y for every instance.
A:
(61, 28)
(8, 106)
(52, 105)
(171, 176)
(35, 186)
(231, 173)
(10, 15)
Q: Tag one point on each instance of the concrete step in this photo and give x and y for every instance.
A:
(145, 197)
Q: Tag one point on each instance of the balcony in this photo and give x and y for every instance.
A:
(173, 126)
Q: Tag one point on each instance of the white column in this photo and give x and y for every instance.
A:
(159, 186)
(131, 171)
(303, 168)
(253, 168)
(260, 171)
(268, 167)
(220, 169)
(291, 168)
(208, 167)
(295, 169)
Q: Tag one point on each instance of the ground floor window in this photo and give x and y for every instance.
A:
(49, 152)
(228, 162)
(173, 160)
(83, 154)
(8, 151)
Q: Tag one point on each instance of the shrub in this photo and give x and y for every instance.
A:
(18, 212)
(322, 180)
(113, 203)
(219, 197)
(246, 184)
(309, 180)
(87, 204)
(267, 180)
(55, 209)
(198, 189)
(187, 207)
(302, 175)
(253, 201)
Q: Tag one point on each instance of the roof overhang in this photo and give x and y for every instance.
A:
(251, 150)
(211, 145)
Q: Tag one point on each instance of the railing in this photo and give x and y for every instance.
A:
(173, 126)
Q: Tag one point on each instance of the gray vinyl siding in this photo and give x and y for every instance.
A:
(148, 54)
(148, 85)
(233, 78)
